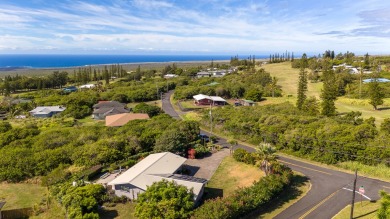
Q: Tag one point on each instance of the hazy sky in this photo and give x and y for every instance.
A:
(194, 26)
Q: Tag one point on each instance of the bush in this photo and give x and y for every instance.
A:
(239, 154)
(245, 200)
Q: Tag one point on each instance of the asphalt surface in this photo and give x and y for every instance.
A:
(331, 190)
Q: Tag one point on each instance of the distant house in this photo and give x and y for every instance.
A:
(20, 100)
(124, 118)
(170, 76)
(70, 89)
(380, 80)
(202, 99)
(107, 108)
(247, 102)
(46, 111)
(87, 86)
(154, 168)
(203, 74)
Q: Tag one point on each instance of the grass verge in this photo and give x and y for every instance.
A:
(21, 195)
(230, 176)
(361, 210)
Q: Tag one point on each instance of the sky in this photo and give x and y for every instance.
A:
(194, 26)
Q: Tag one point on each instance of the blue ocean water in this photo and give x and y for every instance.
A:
(63, 61)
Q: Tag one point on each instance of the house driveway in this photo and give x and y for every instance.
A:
(206, 167)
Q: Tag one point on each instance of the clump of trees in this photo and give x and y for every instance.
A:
(250, 85)
(80, 201)
(245, 200)
(165, 199)
(326, 139)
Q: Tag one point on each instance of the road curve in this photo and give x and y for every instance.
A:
(330, 192)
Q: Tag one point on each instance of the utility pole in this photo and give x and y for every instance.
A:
(211, 121)
(353, 194)
(361, 78)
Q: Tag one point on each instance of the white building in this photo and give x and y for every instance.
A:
(155, 168)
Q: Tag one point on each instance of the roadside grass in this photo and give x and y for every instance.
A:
(230, 176)
(191, 116)
(152, 103)
(119, 211)
(364, 210)
(21, 195)
(380, 171)
(298, 188)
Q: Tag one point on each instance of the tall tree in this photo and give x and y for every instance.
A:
(165, 200)
(329, 90)
(302, 83)
(375, 93)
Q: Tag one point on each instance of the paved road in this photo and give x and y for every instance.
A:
(330, 192)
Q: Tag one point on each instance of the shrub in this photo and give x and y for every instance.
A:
(239, 154)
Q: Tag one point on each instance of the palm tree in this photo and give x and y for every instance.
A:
(267, 156)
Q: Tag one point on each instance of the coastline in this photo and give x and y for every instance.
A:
(126, 66)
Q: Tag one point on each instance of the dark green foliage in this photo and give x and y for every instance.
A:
(385, 126)
(245, 200)
(148, 109)
(384, 210)
(375, 93)
(80, 201)
(302, 83)
(329, 92)
(330, 140)
(178, 137)
(253, 94)
(165, 200)
(5, 126)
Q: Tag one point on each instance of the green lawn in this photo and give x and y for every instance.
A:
(229, 176)
(119, 211)
(364, 210)
(21, 195)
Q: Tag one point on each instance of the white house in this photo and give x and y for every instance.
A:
(87, 86)
(155, 168)
(202, 99)
(46, 111)
(170, 76)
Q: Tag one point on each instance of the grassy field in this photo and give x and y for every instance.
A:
(288, 80)
(364, 210)
(229, 176)
(21, 195)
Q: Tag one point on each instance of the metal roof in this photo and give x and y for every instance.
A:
(213, 98)
(160, 163)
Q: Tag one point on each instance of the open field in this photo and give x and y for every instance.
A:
(230, 176)
(288, 80)
(364, 210)
(21, 195)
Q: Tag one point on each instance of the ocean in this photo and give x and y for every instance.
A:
(64, 61)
